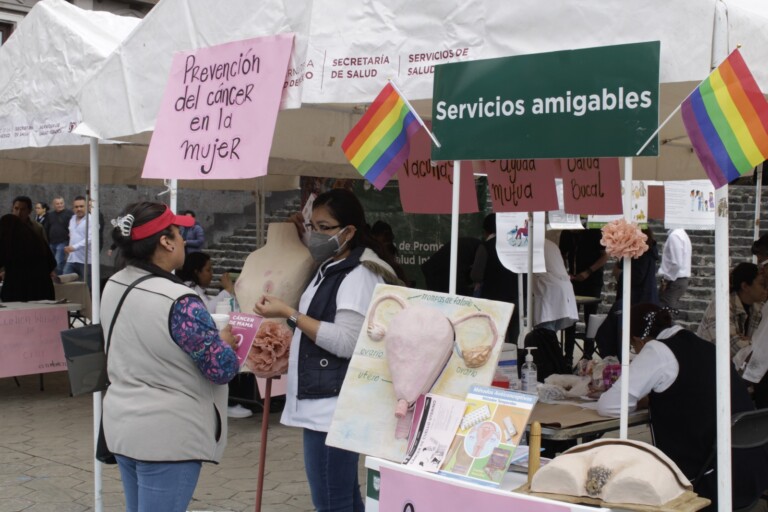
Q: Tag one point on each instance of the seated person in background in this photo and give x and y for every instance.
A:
(673, 366)
(748, 293)
(197, 274)
(436, 269)
(383, 234)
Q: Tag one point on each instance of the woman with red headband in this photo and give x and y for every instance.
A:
(165, 410)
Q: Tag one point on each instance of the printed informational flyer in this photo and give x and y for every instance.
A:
(435, 421)
(639, 208)
(512, 232)
(413, 342)
(244, 329)
(493, 424)
(689, 204)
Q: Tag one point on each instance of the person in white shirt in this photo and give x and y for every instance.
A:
(674, 371)
(675, 268)
(78, 233)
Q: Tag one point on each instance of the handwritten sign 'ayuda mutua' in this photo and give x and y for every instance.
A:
(219, 109)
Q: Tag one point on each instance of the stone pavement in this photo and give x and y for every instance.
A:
(46, 458)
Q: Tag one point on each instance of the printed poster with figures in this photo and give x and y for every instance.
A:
(689, 204)
(639, 208)
(413, 342)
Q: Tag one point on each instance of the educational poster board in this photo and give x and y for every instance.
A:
(689, 204)
(364, 420)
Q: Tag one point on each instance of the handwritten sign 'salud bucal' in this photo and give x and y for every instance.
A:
(219, 109)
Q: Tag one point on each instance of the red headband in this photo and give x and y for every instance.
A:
(156, 225)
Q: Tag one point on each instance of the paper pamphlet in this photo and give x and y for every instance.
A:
(435, 421)
(493, 424)
(244, 329)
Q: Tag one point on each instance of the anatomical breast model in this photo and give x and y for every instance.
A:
(281, 268)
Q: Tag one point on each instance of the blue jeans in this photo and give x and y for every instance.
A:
(157, 486)
(332, 475)
(79, 269)
(60, 255)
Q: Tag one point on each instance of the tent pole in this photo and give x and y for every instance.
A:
(626, 305)
(520, 312)
(454, 227)
(722, 302)
(174, 190)
(95, 311)
(529, 291)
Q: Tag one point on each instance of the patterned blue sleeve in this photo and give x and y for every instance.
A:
(193, 329)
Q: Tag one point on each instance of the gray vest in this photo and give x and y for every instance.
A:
(159, 407)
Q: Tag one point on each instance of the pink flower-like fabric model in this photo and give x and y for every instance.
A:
(269, 355)
(623, 240)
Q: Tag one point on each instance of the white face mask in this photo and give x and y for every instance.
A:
(322, 246)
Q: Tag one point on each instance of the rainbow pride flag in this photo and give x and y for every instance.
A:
(726, 118)
(379, 143)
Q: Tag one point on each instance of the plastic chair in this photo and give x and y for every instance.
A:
(749, 429)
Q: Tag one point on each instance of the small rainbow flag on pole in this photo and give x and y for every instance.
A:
(379, 142)
(726, 118)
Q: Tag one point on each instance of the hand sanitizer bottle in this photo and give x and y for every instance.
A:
(528, 372)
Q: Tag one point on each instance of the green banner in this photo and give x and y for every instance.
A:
(595, 102)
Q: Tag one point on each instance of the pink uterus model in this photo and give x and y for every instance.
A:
(419, 341)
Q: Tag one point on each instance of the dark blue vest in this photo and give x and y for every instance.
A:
(321, 373)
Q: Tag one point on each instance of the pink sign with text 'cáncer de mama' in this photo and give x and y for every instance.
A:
(219, 109)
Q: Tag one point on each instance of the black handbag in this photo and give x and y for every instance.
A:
(86, 354)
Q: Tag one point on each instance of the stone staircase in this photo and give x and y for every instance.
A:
(231, 251)
(701, 286)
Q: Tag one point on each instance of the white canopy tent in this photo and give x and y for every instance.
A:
(401, 40)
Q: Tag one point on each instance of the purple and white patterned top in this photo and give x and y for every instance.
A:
(193, 330)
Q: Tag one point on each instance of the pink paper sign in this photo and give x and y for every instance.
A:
(425, 188)
(219, 109)
(591, 186)
(401, 491)
(522, 185)
(30, 341)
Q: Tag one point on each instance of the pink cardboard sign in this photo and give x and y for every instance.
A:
(427, 188)
(591, 186)
(522, 185)
(30, 341)
(219, 109)
(401, 491)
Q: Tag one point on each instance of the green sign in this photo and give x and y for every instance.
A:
(596, 102)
